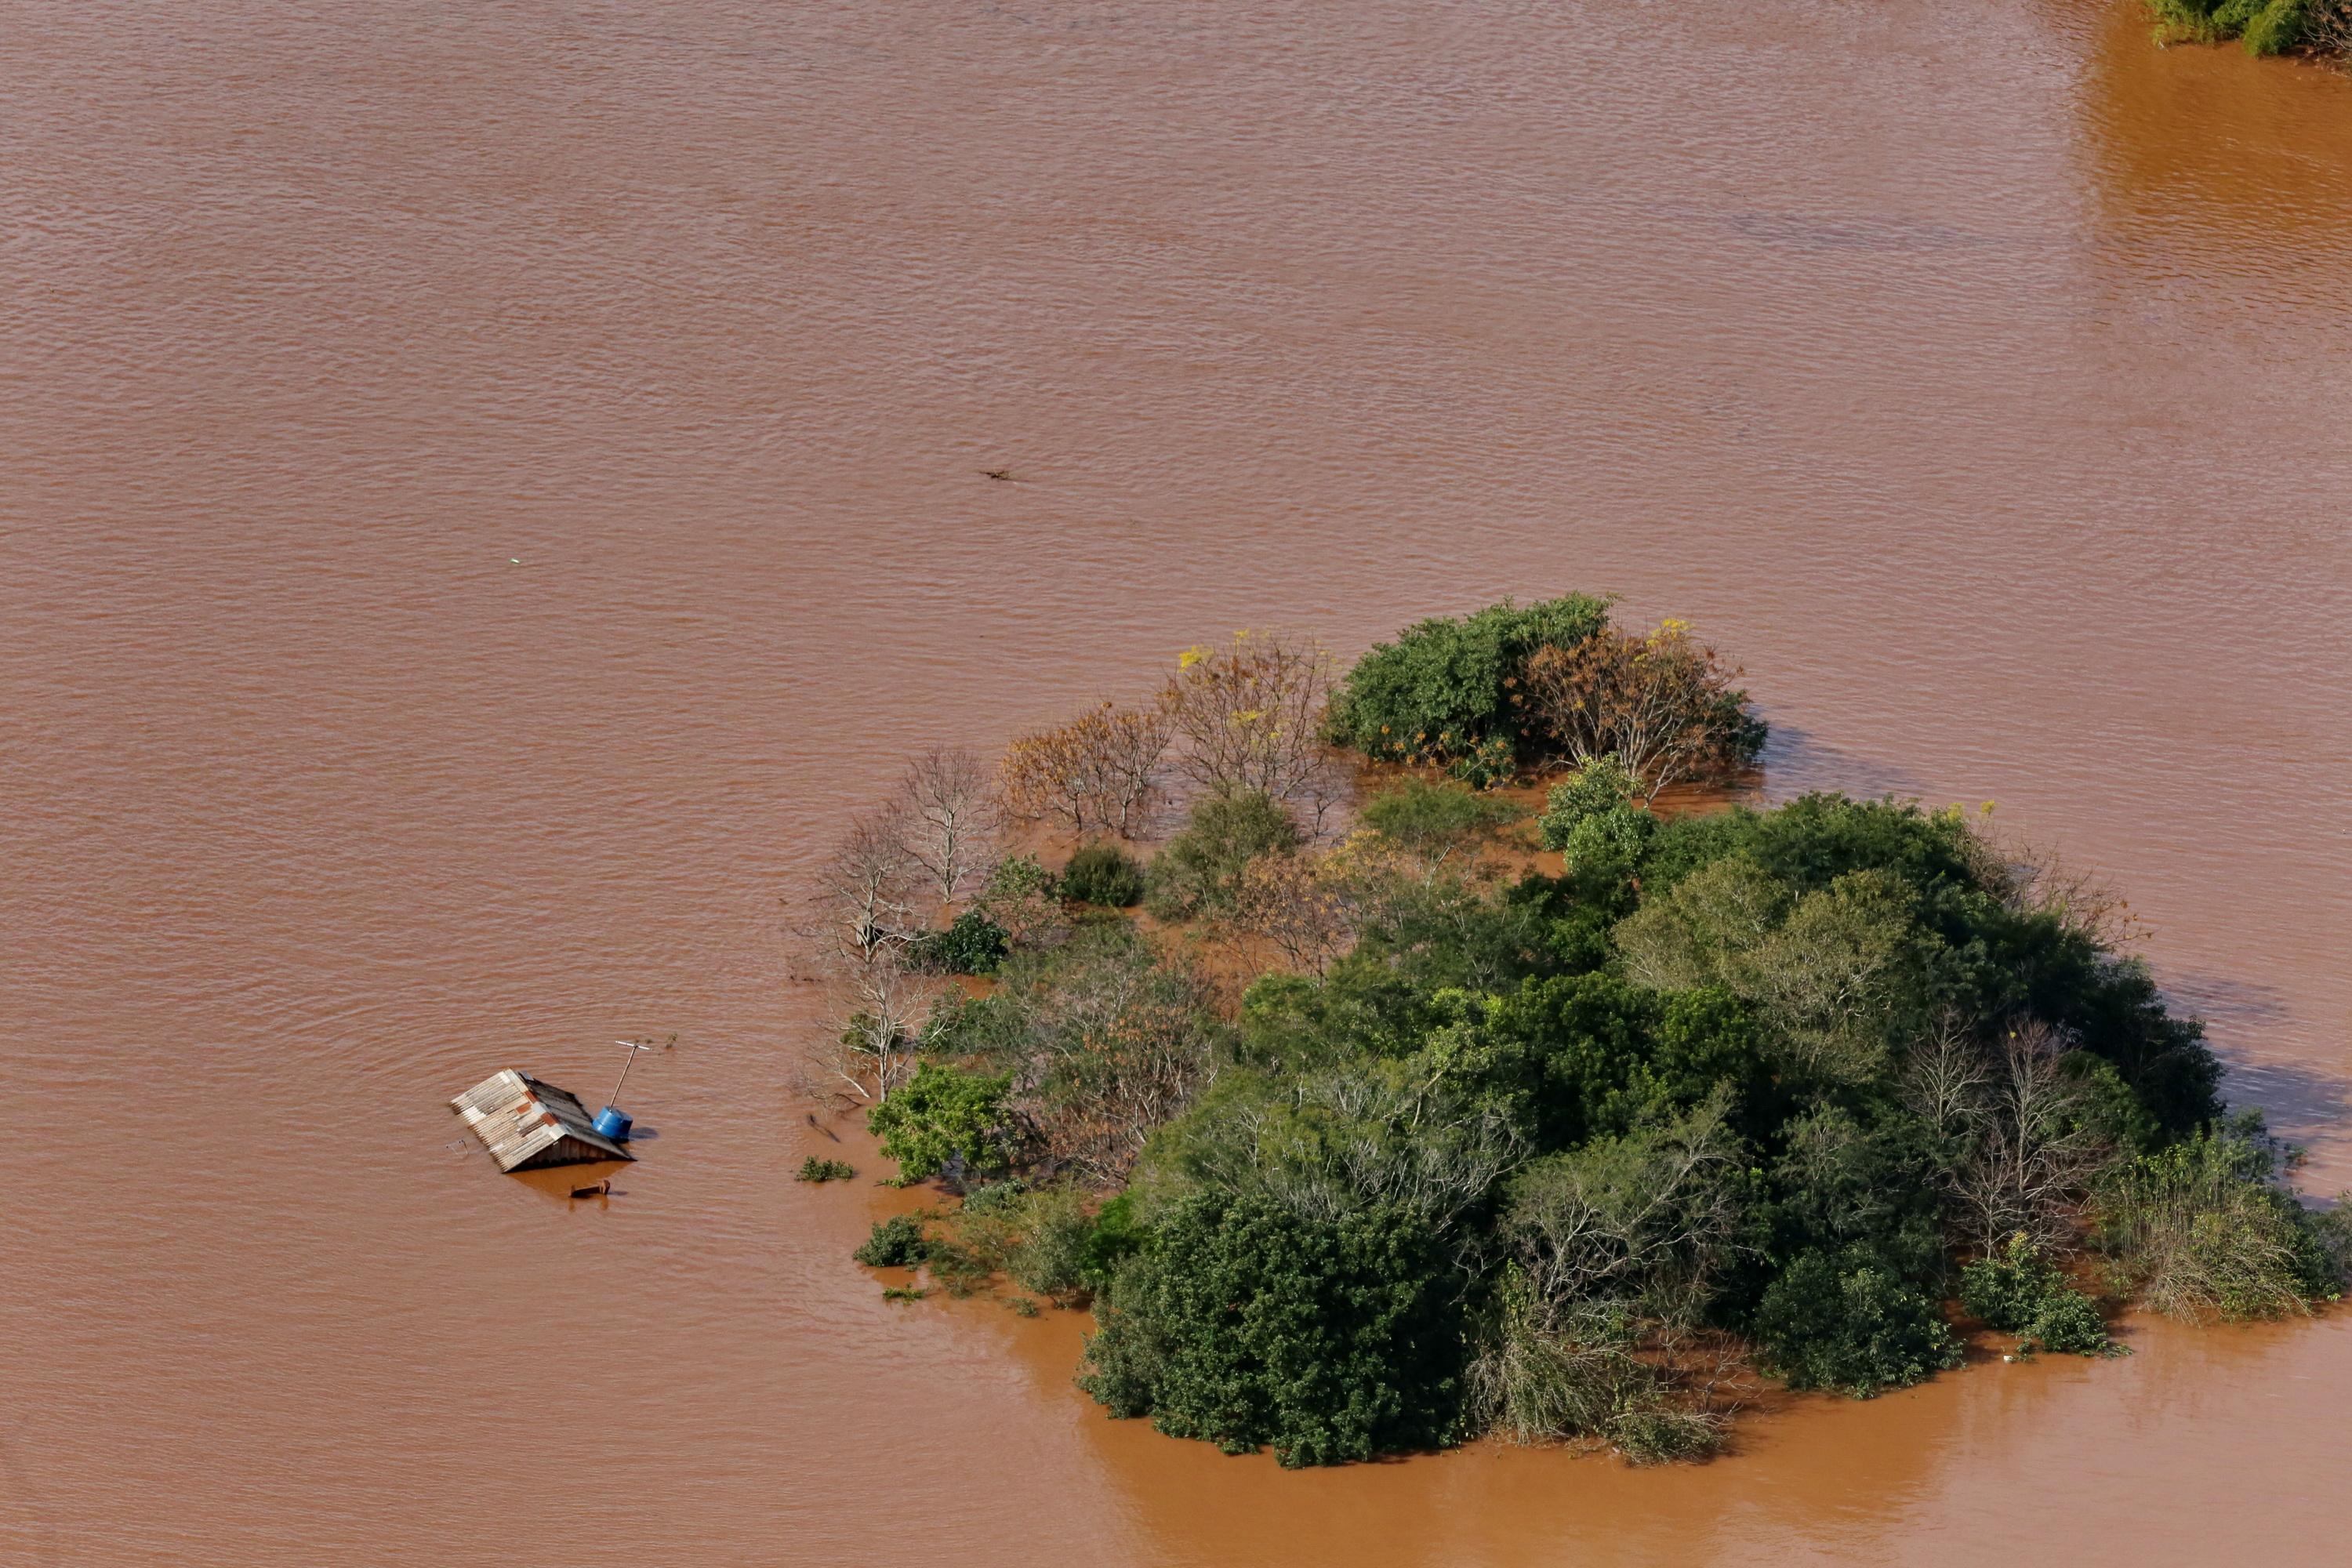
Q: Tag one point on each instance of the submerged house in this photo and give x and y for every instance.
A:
(526, 1124)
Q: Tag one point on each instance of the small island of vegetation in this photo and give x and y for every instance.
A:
(1465, 1061)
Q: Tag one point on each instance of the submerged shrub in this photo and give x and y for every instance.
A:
(2022, 1292)
(1435, 825)
(1103, 874)
(1446, 691)
(1200, 872)
(1846, 1322)
(944, 1115)
(1050, 1259)
(2264, 26)
(972, 944)
(1244, 1325)
(815, 1170)
(1532, 1381)
(2069, 1325)
(2202, 1229)
(896, 1242)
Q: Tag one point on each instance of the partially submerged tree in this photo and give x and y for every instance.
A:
(1664, 705)
(862, 924)
(1249, 718)
(952, 820)
(1434, 827)
(885, 999)
(1102, 772)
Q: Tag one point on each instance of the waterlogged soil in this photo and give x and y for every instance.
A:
(485, 492)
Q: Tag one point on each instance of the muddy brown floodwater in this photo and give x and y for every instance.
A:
(485, 489)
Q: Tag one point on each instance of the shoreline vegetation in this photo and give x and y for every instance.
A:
(2319, 28)
(1424, 1051)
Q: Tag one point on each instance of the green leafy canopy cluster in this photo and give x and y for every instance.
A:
(2264, 26)
(1377, 1145)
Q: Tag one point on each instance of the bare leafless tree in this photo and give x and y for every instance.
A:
(887, 1001)
(2036, 877)
(1945, 1077)
(1100, 772)
(2024, 1147)
(1249, 716)
(1118, 1046)
(1640, 1221)
(860, 923)
(2036, 1149)
(1295, 904)
(2327, 31)
(952, 819)
(866, 888)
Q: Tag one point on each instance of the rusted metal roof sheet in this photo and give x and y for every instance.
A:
(526, 1124)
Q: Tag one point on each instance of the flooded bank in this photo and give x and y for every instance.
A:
(486, 493)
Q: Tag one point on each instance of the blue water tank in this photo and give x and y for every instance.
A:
(614, 1123)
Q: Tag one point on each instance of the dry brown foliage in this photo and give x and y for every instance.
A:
(1657, 703)
(1121, 1043)
(1101, 772)
(2328, 30)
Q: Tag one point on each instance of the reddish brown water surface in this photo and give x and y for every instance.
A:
(484, 489)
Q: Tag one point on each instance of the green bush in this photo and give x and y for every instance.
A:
(2069, 1325)
(1008, 1198)
(815, 1170)
(1591, 818)
(1435, 825)
(1115, 1236)
(896, 1242)
(1200, 872)
(1244, 1325)
(940, 1114)
(1847, 1323)
(1445, 691)
(1022, 899)
(1051, 1257)
(2265, 26)
(2203, 1229)
(972, 944)
(1103, 874)
(2022, 1292)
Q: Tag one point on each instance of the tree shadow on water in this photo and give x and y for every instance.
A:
(1797, 760)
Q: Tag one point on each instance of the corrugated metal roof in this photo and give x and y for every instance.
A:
(526, 1123)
